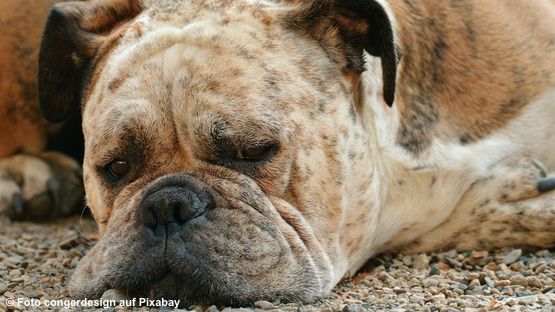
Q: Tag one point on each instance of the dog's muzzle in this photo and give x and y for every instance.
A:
(204, 237)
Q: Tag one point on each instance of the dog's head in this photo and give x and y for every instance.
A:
(223, 146)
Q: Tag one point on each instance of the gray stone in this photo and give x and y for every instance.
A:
(354, 308)
(421, 262)
(263, 304)
(512, 256)
(212, 309)
(115, 294)
(528, 300)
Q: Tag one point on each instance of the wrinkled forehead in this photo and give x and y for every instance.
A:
(190, 33)
(209, 59)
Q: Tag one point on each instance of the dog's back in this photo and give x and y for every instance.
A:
(477, 66)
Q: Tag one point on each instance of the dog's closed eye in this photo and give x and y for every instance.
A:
(254, 153)
(244, 156)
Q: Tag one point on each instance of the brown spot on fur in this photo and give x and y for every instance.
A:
(114, 85)
(449, 44)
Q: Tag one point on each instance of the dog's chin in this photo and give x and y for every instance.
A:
(203, 287)
(172, 287)
(188, 292)
(194, 281)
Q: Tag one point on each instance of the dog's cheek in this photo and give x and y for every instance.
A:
(95, 202)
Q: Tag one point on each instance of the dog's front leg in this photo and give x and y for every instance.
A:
(513, 205)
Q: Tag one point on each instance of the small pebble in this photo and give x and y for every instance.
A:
(115, 294)
(15, 273)
(407, 260)
(473, 276)
(263, 304)
(421, 262)
(212, 308)
(495, 305)
(511, 302)
(518, 279)
(416, 299)
(354, 308)
(489, 282)
(534, 282)
(503, 268)
(528, 300)
(512, 256)
(398, 290)
(434, 271)
(196, 308)
(474, 283)
(502, 283)
(541, 268)
(480, 254)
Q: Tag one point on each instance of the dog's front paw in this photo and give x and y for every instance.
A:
(523, 178)
(36, 187)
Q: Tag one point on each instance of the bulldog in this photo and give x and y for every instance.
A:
(245, 150)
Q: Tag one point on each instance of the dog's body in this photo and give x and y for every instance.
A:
(239, 150)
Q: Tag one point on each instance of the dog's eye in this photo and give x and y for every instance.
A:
(254, 153)
(118, 169)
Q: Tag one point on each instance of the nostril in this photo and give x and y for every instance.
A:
(172, 205)
(206, 202)
(150, 220)
(181, 214)
(193, 206)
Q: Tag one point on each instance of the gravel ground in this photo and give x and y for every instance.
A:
(37, 260)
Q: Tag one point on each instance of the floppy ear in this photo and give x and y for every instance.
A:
(73, 34)
(347, 27)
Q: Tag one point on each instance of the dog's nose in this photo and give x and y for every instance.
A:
(174, 204)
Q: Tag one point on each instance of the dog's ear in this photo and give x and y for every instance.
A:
(347, 27)
(73, 34)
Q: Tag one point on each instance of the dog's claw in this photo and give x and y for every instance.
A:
(16, 210)
(546, 185)
(40, 206)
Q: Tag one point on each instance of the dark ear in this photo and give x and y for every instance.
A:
(347, 27)
(73, 34)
